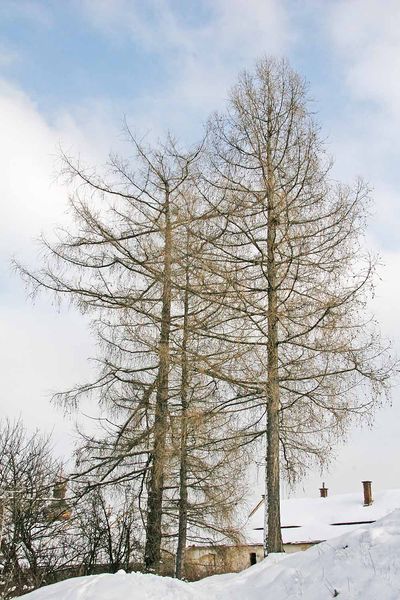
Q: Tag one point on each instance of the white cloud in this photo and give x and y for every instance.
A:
(40, 350)
(366, 34)
(202, 56)
(365, 40)
(231, 26)
(33, 200)
(30, 200)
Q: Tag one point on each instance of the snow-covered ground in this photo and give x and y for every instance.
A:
(363, 564)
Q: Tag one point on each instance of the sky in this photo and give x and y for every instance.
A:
(71, 71)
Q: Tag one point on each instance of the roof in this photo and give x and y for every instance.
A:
(318, 519)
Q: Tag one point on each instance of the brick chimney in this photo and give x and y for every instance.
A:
(323, 491)
(367, 493)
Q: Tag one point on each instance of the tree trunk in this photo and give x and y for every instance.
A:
(272, 530)
(183, 490)
(152, 555)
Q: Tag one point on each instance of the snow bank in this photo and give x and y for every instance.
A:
(361, 565)
(121, 586)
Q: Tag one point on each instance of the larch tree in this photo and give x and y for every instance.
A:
(130, 264)
(289, 243)
(117, 267)
(207, 465)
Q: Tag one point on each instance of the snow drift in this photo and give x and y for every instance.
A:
(363, 564)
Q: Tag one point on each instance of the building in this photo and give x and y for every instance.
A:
(305, 522)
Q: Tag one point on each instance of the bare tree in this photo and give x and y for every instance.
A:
(33, 516)
(288, 241)
(106, 530)
(119, 267)
(200, 465)
(208, 463)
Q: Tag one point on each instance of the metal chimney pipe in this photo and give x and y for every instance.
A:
(367, 493)
(323, 491)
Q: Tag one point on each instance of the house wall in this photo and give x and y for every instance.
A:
(290, 548)
(202, 561)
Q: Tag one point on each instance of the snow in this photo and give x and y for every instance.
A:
(314, 516)
(361, 565)
(121, 586)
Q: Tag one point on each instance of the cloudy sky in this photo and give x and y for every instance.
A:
(70, 71)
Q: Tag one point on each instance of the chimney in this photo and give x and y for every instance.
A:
(367, 493)
(323, 492)
(60, 489)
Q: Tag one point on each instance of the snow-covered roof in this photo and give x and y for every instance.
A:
(318, 519)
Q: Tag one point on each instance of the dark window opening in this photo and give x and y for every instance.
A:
(253, 558)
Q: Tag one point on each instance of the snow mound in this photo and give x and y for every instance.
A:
(361, 565)
(121, 586)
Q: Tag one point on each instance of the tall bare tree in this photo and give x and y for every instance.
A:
(289, 243)
(118, 267)
(209, 446)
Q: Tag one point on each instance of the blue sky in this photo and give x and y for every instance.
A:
(69, 72)
(63, 59)
(167, 64)
(120, 54)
